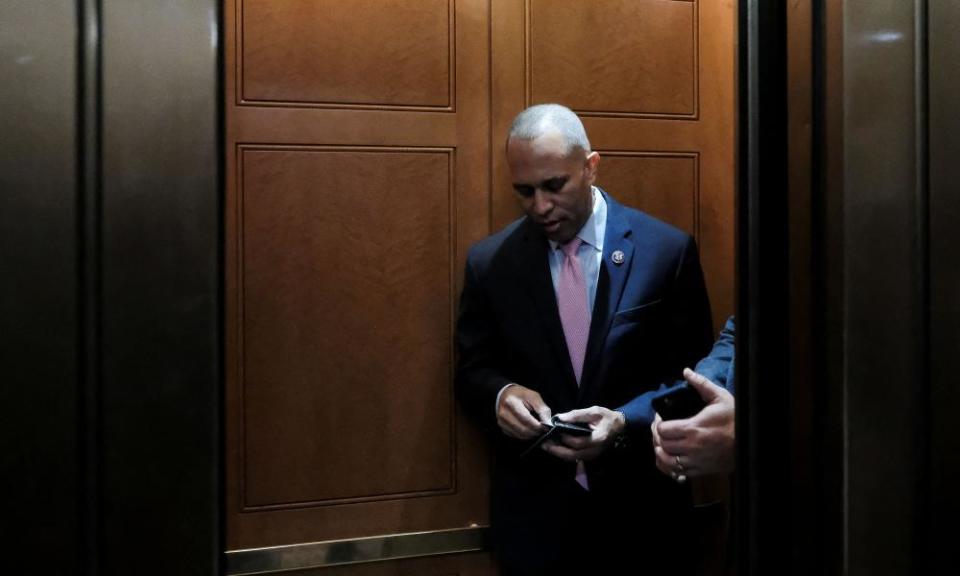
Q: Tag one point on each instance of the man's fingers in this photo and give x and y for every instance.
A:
(521, 411)
(544, 412)
(569, 454)
(676, 446)
(581, 415)
(655, 430)
(666, 462)
(518, 422)
(512, 427)
(707, 389)
(576, 442)
(559, 450)
(663, 463)
(674, 429)
(675, 441)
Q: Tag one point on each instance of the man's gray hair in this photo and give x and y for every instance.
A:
(542, 119)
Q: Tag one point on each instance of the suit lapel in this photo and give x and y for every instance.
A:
(534, 267)
(610, 285)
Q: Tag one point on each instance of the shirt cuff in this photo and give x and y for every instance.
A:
(499, 394)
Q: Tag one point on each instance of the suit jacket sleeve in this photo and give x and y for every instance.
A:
(689, 333)
(478, 380)
(717, 365)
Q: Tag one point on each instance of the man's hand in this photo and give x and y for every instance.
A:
(521, 411)
(702, 444)
(606, 425)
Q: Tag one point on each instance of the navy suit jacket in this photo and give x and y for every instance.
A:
(651, 318)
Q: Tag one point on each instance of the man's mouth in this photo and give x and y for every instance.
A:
(551, 225)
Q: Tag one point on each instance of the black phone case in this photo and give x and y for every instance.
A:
(558, 427)
(572, 428)
(680, 402)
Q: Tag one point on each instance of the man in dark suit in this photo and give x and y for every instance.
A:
(580, 309)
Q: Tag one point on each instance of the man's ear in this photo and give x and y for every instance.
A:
(592, 164)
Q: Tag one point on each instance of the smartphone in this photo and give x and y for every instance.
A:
(571, 428)
(557, 427)
(680, 402)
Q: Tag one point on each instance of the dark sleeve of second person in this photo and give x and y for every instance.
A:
(717, 366)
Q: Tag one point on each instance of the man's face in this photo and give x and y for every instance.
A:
(553, 185)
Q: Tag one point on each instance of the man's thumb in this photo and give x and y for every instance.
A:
(545, 413)
(708, 390)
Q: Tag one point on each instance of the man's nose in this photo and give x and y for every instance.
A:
(541, 203)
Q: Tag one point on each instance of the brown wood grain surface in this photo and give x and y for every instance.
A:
(357, 177)
(363, 52)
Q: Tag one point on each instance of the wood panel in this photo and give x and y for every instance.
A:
(365, 52)
(623, 57)
(347, 275)
(663, 184)
(357, 178)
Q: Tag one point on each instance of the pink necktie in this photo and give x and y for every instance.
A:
(572, 302)
(575, 317)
